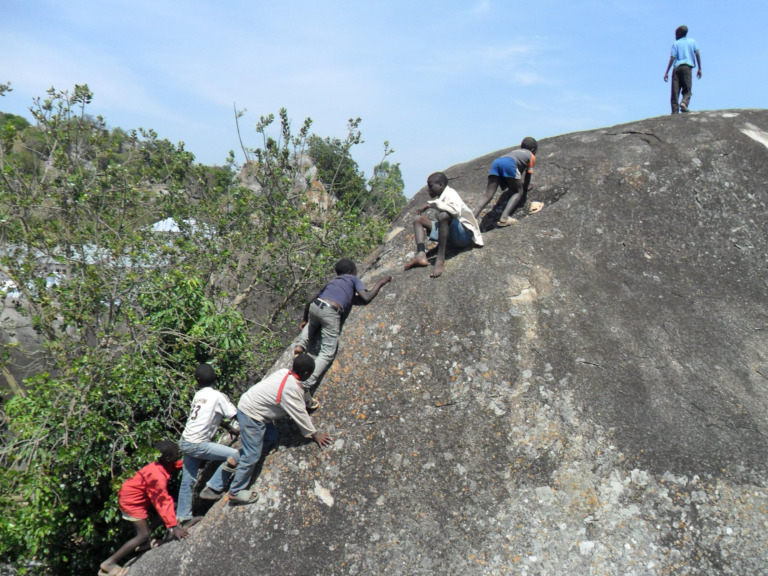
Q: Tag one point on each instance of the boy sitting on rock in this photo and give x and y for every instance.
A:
(325, 310)
(508, 170)
(147, 489)
(209, 406)
(455, 226)
(278, 394)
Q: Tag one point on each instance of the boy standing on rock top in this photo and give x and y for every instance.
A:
(685, 55)
(455, 226)
(509, 170)
(325, 310)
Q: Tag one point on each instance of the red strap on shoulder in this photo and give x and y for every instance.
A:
(282, 385)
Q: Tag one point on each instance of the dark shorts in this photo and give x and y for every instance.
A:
(459, 236)
(505, 167)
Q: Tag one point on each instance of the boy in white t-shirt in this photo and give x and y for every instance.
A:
(455, 227)
(209, 406)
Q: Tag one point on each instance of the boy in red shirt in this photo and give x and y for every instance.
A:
(147, 489)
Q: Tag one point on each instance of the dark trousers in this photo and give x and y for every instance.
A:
(682, 80)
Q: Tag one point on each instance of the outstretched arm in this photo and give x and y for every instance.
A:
(527, 183)
(669, 65)
(366, 296)
(234, 432)
(698, 59)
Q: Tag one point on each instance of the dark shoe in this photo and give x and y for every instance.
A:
(209, 493)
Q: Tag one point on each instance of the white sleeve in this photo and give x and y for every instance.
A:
(293, 404)
(450, 203)
(225, 407)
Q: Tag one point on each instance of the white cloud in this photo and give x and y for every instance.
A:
(530, 78)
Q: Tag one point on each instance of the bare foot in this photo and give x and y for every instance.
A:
(536, 206)
(439, 266)
(417, 261)
(507, 222)
(108, 568)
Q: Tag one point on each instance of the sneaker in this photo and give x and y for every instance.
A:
(244, 497)
(209, 493)
(683, 108)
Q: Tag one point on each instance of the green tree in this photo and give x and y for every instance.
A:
(386, 189)
(336, 169)
(18, 123)
(123, 314)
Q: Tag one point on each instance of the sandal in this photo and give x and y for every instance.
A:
(227, 467)
(244, 497)
(505, 223)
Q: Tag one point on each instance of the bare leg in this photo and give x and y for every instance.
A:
(421, 227)
(142, 535)
(444, 225)
(513, 200)
(490, 190)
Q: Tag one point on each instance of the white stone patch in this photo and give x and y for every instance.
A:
(323, 494)
(525, 295)
(395, 232)
(758, 136)
(586, 547)
(729, 115)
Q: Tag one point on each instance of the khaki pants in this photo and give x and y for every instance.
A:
(328, 321)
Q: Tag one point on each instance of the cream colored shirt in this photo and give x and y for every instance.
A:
(260, 402)
(450, 201)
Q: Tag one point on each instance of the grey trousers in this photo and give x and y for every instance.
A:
(328, 321)
(682, 80)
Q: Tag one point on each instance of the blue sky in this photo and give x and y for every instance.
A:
(443, 81)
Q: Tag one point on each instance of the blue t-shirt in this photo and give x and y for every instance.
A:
(342, 290)
(684, 52)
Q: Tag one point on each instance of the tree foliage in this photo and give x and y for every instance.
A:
(123, 314)
(382, 195)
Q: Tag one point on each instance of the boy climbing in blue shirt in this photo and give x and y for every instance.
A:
(508, 171)
(324, 311)
(685, 55)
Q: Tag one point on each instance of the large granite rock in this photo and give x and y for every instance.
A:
(588, 394)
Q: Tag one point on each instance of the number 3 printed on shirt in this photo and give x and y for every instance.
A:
(195, 410)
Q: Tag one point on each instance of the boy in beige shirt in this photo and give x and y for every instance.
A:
(278, 394)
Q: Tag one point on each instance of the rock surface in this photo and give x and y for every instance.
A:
(588, 394)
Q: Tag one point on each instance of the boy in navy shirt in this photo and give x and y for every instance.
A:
(685, 55)
(324, 311)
